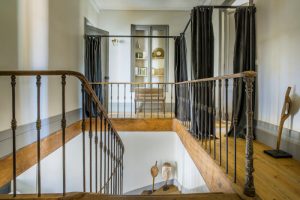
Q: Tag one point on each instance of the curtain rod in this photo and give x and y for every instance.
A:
(134, 36)
(216, 7)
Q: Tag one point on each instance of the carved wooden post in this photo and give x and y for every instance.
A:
(249, 189)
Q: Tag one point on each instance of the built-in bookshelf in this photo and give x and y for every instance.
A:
(149, 56)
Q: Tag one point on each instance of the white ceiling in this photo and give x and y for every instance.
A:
(152, 4)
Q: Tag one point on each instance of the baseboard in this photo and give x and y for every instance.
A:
(26, 134)
(267, 134)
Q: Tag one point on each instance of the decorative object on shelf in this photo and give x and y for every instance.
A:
(285, 113)
(166, 172)
(158, 53)
(115, 41)
(158, 72)
(141, 71)
(139, 55)
(138, 45)
(154, 173)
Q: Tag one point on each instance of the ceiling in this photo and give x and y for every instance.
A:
(183, 5)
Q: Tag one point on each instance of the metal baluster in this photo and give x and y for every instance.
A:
(105, 149)
(101, 149)
(220, 122)
(157, 100)
(201, 112)
(131, 91)
(144, 100)
(209, 115)
(205, 111)
(118, 96)
(124, 99)
(151, 93)
(226, 118)
(108, 157)
(111, 102)
(111, 159)
(96, 148)
(63, 125)
(165, 96)
(122, 165)
(214, 117)
(137, 102)
(171, 100)
(189, 106)
(83, 137)
(235, 120)
(13, 128)
(90, 140)
(38, 128)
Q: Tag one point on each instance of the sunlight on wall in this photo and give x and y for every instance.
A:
(33, 55)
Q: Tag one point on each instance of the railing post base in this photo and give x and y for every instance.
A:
(249, 189)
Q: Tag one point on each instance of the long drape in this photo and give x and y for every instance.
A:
(202, 51)
(93, 68)
(180, 75)
(244, 60)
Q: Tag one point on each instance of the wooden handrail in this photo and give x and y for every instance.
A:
(78, 75)
(246, 74)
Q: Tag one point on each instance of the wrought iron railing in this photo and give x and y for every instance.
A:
(109, 169)
(205, 107)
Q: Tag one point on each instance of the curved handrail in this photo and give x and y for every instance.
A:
(78, 75)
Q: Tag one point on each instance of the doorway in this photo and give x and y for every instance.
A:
(89, 29)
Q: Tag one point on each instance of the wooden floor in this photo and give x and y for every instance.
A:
(88, 196)
(273, 178)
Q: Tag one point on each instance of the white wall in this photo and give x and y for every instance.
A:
(278, 39)
(41, 35)
(142, 149)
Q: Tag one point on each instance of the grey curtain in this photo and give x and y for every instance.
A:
(180, 75)
(93, 69)
(244, 60)
(202, 50)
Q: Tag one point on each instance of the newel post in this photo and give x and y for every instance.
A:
(249, 189)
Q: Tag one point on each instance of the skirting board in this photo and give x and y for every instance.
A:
(267, 133)
(26, 134)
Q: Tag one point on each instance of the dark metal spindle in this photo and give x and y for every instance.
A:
(214, 117)
(220, 122)
(101, 149)
(111, 102)
(226, 118)
(151, 93)
(165, 96)
(83, 137)
(235, 120)
(209, 115)
(145, 100)
(124, 100)
(171, 100)
(205, 111)
(157, 100)
(105, 149)
(96, 149)
(118, 96)
(131, 91)
(63, 125)
(108, 156)
(38, 128)
(13, 128)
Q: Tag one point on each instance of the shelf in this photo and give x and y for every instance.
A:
(141, 75)
(141, 67)
(141, 58)
(158, 75)
(158, 58)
